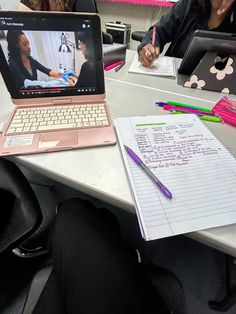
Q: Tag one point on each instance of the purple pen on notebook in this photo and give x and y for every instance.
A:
(139, 162)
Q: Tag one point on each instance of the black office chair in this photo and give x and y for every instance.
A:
(20, 213)
(91, 7)
(21, 220)
(138, 35)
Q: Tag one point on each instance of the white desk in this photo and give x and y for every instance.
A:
(100, 172)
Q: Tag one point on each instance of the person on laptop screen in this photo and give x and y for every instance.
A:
(87, 76)
(177, 26)
(20, 61)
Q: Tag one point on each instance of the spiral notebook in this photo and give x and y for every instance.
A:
(191, 162)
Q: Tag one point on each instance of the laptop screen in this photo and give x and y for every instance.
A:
(45, 54)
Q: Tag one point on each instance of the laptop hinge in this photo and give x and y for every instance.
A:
(61, 101)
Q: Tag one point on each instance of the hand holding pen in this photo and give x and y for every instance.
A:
(150, 52)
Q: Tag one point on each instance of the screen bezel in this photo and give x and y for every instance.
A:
(40, 18)
(203, 41)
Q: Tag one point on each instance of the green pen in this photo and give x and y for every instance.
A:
(178, 104)
(209, 118)
(202, 117)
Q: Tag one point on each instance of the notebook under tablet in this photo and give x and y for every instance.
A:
(52, 66)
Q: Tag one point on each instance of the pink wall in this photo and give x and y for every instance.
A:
(142, 2)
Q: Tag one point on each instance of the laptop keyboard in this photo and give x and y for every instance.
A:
(60, 117)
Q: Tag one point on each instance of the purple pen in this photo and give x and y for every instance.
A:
(160, 103)
(139, 162)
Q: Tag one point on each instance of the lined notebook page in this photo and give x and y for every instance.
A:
(187, 158)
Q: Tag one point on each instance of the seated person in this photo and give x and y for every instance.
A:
(94, 270)
(59, 5)
(87, 76)
(178, 26)
(64, 5)
(21, 63)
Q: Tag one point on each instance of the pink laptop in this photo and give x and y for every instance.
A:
(52, 66)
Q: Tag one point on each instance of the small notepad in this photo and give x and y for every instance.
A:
(163, 66)
(191, 162)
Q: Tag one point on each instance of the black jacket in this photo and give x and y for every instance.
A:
(20, 73)
(87, 76)
(178, 25)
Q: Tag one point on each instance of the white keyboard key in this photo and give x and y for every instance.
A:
(16, 121)
(56, 127)
(101, 118)
(11, 130)
(17, 125)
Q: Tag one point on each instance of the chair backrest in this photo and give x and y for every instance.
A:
(84, 6)
(91, 7)
(20, 213)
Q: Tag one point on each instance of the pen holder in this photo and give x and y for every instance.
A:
(214, 73)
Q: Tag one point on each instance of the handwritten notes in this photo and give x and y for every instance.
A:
(163, 66)
(191, 162)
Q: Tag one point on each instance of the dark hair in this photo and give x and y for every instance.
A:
(12, 41)
(43, 5)
(86, 39)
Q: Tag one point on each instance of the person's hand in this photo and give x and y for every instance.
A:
(55, 74)
(225, 6)
(71, 80)
(148, 54)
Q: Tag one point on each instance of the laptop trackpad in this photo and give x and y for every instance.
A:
(58, 139)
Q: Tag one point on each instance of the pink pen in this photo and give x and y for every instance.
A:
(170, 107)
(113, 65)
(154, 31)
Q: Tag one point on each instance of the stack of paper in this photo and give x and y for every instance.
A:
(188, 159)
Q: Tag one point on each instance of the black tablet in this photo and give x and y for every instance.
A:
(203, 41)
